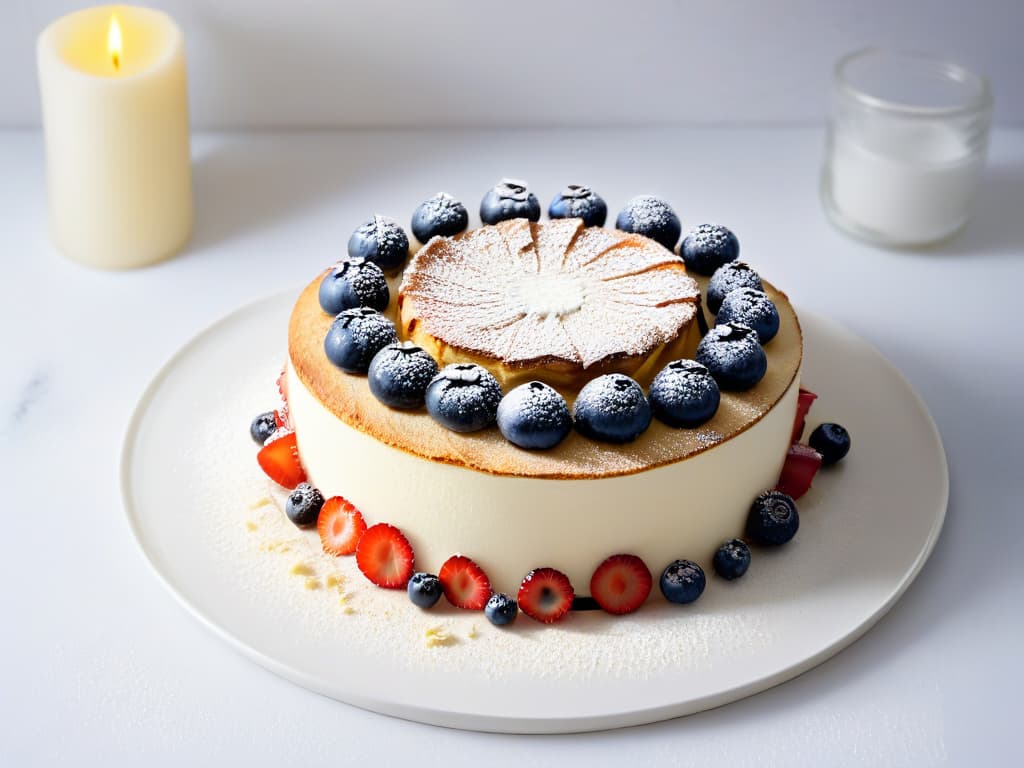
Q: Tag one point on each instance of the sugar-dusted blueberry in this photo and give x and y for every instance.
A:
(709, 246)
(729, 277)
(355, 336)
(501, 609)
(509, 199)
(684, 394)
(463, 397)
(262, 427)
(399, 374)
(303, 504)
(682, 581)
(732, 559)
(652, 217)
(579, 202)
(612, 408)
(832, 441)
(441, 215)
(424, 589)
(381, 240)
(773, 518)
(734, 356)
(353, 282)
(534, 415)
(752, 307)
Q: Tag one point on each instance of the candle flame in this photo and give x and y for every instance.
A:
(114, 45)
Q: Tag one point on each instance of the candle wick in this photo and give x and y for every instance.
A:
(117, 61)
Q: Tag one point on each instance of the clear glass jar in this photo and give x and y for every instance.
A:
(906, 144)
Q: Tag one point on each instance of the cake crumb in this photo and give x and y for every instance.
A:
(302, 569)
(250, 526)
(260, 503)
(438, 636)
(334, 580)
(472, 634)
(312, 583)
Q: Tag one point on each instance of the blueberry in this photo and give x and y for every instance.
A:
(773, 518)
(354, 283)
(708, 247)
(749, 306)
(262, 427)
(463, 397)
(501, 609)
(534, 415)
(832, 441)
(355, 336)
(440, 215)
(652, 217)
(424, 589)
(684, 394)
(682, 581)
(612, 408)
(579, 202)
(509, 199)
(732, 559)
(729, 277)
(381, 240)
(399, 374)
(733, 354)
(303, 504)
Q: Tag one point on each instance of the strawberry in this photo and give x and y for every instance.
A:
(464, 582)
(805, 398)
(340, 525)
(384, 556)
(545, 595)
(282, 415)
(802, 463)
(621, 584)
(279, 458)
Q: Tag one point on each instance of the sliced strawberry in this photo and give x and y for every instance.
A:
(805, 398)
(464, 583)
(282, 384)
(279, 458)
(340, 525)
(621, 584)
(545, 595)
(802, 464)
(384, 556)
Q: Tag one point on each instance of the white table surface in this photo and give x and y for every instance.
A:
(99, 664)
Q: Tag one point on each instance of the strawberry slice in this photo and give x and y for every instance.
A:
(279, 458)
(802, 464)
(805, 398)
(340, 525)
(384, 556)
(464, 583)
(282, 415)
(621, 584)
(545, 595)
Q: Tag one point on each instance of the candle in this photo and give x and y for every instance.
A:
(115, 116)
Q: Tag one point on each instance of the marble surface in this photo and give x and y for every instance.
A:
(99, 664)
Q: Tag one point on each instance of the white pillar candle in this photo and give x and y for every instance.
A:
(115, 115)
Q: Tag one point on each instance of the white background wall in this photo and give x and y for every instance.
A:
(274, 63)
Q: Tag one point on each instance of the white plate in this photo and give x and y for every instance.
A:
(189, 481)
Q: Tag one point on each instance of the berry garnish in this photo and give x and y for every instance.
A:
(545, 595)
(279, 458)
(732, 559)
(773, 518)
(385, 556)
(832, 441)
(464, 583)
(355, 336)
(801, 465)
(682, 581)
(805, 399)
(729, 277)
(509, 199)
(464, 397)
(612, 408)
(399, 374)
(263, 426)
(684, 394)
(353, 283)
(340, 525)
(652, 217)
(579, 202)
(304, 504)
(732, 353)
(424, 589)
(441, 215)
(621, 584)
(501, 609)
(708, 247)
(749, 306)
(534, 415)
(381, 240)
